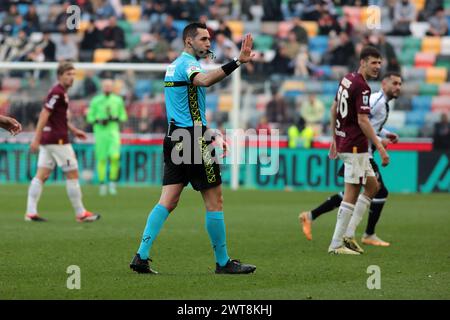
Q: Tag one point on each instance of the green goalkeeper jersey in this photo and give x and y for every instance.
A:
(106, 111)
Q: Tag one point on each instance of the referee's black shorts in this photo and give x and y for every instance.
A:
(374, 167)
(202, 170)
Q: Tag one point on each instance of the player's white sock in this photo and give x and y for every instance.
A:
(34, 194)
(343, 217)
(74, 193)
(360, 208)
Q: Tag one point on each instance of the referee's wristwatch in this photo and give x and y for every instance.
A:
(238, 63)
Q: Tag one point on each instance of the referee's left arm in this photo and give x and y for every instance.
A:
(212, 77)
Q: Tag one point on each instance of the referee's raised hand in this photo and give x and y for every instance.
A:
(246, 54)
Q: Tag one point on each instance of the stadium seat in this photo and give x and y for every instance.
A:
(424, 59)
(448, 22)
(419, 28)
(84, 24)
(102, 55)
(443, 61)
(412, 43)
(125, 25)
(413, 74)
(212, 101)
(445, 45)
(416, 118)
(292, 85)
(330, 87)
(325, 71)
(36, 37)
(419, 4)
(132, 12)
(158, 86)
(421, 103)
(225, 102)
(311, 27)
(237, 29)
(318, 43)
(141, 26)
(436, 75)
(353, 14)
(143, 87)
(79, 74)
(313, 87)
(444, 89)
(403, 103)
(410, 131)
(263, 42)
(431, 44)
(440, 104)
(179, 25)
(268, 27)
(22, 8)
(327, 100)
(396, 42)
(407, 56)
(397, 119)
(132, 40)
(283, 28)
(428, 89)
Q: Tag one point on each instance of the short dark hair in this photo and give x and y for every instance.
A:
(390, 74)
(63, 67)
(369, 51)
(191, 29)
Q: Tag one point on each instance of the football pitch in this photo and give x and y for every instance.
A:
(262, 229)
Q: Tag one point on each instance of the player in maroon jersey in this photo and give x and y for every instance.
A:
(52, 141)
(351, 130)
(10, 124)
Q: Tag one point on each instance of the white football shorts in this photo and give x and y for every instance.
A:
(63, 155)
(356, 167)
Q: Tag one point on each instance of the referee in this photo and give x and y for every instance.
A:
(187, 155)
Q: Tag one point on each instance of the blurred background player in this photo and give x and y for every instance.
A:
(379, 113)
(185, 83)
(10, 124)
(350, 130)
(52, 141)
(106, 112)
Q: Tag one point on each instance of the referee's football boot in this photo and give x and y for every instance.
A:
(352, 245)
(141, 265)
(234, 266)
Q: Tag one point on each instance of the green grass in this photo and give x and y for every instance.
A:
(262, 229)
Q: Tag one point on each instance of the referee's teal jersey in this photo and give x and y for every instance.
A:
(185, 103)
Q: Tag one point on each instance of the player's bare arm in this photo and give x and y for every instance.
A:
(10, 124)
(332, 154)
(367, 129)
(212, 77)
(42, 121)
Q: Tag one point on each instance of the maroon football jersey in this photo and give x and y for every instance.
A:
(56, 129)
(352, 98)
